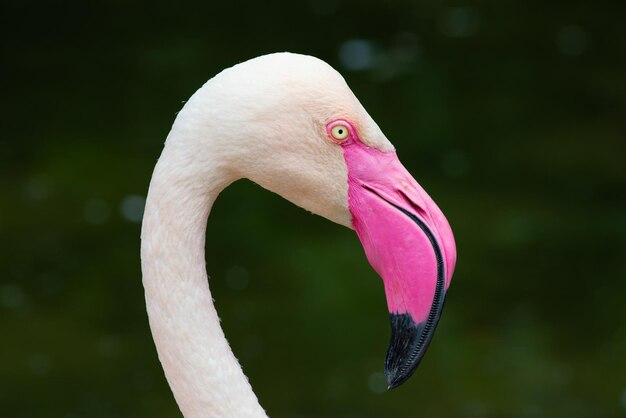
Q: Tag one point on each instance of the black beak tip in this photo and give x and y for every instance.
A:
(395, 379)
(393, 383)
(397, 376)
(406, 349)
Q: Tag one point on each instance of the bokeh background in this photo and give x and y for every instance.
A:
(510, 113)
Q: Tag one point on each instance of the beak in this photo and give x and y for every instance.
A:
(409, 243)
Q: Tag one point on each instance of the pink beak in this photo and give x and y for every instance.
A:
(409, 243)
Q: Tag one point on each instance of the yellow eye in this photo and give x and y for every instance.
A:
(340, 132)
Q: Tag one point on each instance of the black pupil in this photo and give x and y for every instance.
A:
(340, 131)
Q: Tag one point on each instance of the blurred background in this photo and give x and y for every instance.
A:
(512, 115)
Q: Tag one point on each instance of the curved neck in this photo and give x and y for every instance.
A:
(203, 373)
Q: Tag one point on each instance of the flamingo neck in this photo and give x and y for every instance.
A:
(203, 373)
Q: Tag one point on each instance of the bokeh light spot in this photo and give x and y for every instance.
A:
(356, 55)
(132, 207)
(12, 296)
(572, 40)
(377, 382)
(38, 189)
(460, 22)
(39, 364)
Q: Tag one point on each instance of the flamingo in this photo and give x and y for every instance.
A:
(291, 124)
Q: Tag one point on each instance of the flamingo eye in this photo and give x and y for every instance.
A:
(340, 132)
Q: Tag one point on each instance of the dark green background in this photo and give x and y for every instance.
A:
(511, 114)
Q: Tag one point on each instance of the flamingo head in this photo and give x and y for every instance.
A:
(293, 126)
